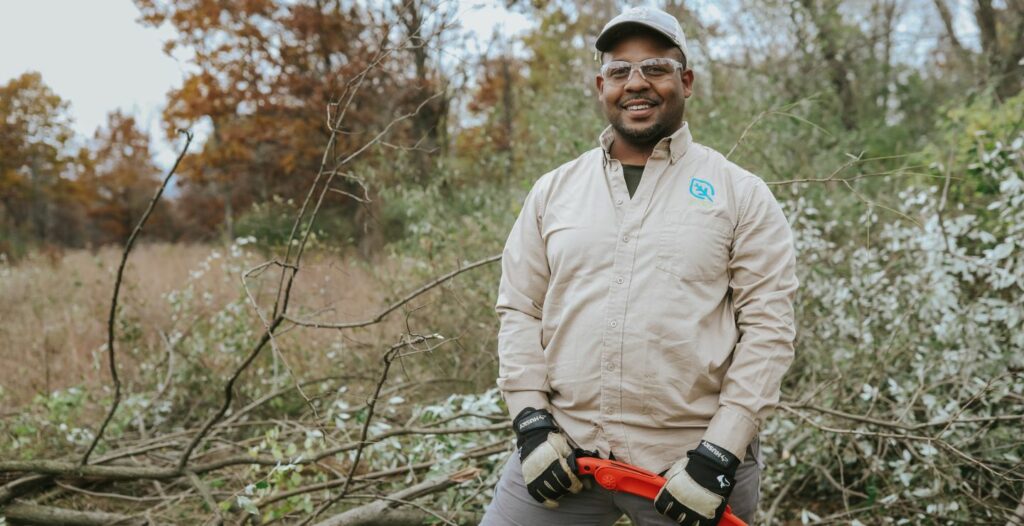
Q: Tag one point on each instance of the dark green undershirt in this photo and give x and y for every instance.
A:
(632, 175)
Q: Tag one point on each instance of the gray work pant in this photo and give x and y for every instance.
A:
(596, 506)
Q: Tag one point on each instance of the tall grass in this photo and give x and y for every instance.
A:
(53, 309)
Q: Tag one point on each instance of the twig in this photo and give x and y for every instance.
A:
(276, 393)
(781, 111)
(905, 427)
(486, 450)
(112, 318)
(916, 438)
(118, 496)
(778, 500)
(371, 406)
(229, 394)
(394, 306)
(207, 497)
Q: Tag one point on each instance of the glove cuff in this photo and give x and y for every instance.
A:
(532, 427)
(720, 457)
(529, 420)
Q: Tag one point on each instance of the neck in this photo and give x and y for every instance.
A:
(630, 153)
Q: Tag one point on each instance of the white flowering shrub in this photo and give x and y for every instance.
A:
(906, 396)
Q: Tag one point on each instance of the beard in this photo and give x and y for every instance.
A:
(641, 136)
(665, 124)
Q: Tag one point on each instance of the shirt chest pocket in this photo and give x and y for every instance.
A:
(694, 245)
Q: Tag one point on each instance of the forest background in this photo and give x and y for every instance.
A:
(304, 332)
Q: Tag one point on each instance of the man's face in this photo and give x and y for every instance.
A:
(642, 111)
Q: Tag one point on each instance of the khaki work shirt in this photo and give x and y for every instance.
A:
(646, 324)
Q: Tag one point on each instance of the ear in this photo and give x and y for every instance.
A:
(599, 82)
(686, 76)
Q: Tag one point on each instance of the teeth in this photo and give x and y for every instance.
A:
(638, 107)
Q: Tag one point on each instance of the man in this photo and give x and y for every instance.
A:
(646, 307)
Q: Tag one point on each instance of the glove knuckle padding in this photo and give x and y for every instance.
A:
(547, 472)
(538, 461)
(687, 492)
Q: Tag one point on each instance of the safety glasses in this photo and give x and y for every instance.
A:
(651, 70)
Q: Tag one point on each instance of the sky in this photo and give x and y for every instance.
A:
(94, 54)
(91, 53)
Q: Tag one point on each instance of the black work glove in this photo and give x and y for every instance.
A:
(697, 488)
(544, 454)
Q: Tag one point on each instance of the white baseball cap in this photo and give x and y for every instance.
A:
(649, 17)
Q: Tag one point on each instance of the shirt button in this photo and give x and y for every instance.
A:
(618, 202)
(609, 410)
(625, 238)
(614, 323)
(610, 366)
(619, 280)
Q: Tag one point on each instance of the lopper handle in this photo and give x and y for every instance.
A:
(627, 478)
(728, 519)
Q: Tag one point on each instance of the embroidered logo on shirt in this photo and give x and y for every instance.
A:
(702, 190)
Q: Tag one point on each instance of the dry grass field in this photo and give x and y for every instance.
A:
(54, 309)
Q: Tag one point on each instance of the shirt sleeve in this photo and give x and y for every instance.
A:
(522, 369)
(763, 283)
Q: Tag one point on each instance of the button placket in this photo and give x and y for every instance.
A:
(617, 184)
(623, 266)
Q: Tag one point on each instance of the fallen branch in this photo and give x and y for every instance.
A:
(415, 517)
(21, 486)
(490, 449)
(207, 497)
(42, 469)
(51, 516)
(371, 512)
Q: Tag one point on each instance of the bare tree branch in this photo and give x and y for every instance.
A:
(111, 320)
(394, 306)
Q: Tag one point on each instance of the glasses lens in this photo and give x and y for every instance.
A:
(617, 70)
(656, 68)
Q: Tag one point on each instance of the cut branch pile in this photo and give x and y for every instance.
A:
(184, 464)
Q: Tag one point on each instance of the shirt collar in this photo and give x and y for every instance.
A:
(677, 143)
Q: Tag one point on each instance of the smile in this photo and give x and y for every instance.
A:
(639, 108)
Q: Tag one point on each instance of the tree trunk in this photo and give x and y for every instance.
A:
(826, 26)
(947, 22)
(506, 115)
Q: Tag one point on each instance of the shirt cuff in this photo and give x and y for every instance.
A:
(732, 428)
(519, 400)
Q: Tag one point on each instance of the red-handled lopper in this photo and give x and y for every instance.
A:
(619, 476)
